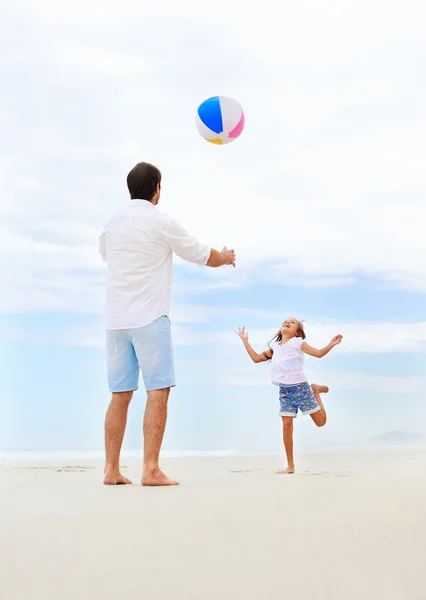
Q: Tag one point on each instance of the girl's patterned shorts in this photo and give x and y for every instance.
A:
(297, 397)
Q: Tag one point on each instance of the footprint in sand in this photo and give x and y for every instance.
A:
(73, 469)
(67, 469)
(325, 474)
(244, 470)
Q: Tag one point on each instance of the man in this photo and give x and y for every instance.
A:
(138, 245)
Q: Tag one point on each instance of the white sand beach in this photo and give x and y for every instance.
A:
(346, 526)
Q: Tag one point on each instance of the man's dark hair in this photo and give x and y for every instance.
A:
(143, 180)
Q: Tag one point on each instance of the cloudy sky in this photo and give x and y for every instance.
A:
(323, 198)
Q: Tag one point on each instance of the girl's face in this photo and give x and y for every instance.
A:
(289, 327)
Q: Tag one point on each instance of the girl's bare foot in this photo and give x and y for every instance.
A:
(115, 479)
(319, 389)
(156, 478)
(288, 471)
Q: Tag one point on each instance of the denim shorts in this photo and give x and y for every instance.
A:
(297, 397)
(148, 349)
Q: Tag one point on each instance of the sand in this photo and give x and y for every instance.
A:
(347, 526)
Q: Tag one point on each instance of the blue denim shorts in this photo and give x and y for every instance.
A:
(297, 397)
(148, 349)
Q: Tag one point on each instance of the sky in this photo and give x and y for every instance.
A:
(322, 197)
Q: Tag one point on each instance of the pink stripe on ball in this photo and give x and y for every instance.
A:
(238, 128)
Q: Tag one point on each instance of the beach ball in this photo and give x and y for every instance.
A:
(220, 120)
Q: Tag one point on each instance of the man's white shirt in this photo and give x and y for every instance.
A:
(137, 245)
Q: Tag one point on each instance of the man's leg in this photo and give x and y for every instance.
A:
(115, 425)
(123, 377)
(153, 429)
(154, 350)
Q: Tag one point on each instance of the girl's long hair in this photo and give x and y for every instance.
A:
(299, 333)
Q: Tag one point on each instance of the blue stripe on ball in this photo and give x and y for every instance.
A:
(211, 114)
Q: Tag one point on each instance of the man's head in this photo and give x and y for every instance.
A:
(144, 182)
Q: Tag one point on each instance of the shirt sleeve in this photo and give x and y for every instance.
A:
(101, 248)
(298, 341)
(186, 246)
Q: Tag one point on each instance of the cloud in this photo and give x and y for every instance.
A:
(340, 381)
(358, 338)
(325, 184)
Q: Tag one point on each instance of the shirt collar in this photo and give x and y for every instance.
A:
(140, 202)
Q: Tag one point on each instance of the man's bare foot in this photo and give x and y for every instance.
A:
(319, 389)
(115, 479)
(288, 471)
(156, 478)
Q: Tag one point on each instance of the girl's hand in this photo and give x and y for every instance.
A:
(336, 340)
(242, 333)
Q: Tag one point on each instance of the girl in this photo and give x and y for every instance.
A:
(287, 356)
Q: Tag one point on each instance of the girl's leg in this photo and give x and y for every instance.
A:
(320, 417)
(288, 445)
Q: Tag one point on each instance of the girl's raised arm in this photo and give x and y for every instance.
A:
(257, 358)
(319, 353)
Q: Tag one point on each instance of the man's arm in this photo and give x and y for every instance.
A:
(190, 249)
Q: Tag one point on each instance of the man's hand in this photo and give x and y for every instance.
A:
(229, 256)
(219, 259)
(336, 340)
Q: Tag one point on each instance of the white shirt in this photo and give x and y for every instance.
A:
(137, 245)
(287, 363)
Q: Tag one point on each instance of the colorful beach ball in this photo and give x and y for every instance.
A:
(220, 120)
